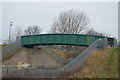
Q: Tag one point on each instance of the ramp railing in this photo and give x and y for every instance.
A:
(54, 55)
(7, 50)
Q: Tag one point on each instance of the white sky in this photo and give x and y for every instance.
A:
(103, 15)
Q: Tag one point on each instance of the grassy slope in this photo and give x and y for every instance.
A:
(101, 64)
(3, 45)
(66, 54)
(11, 54)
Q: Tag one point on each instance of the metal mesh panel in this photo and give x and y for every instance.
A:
(10, 48)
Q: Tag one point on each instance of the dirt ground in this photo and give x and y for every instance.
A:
(37, 58)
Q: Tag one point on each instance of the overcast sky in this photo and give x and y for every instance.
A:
(103, 15)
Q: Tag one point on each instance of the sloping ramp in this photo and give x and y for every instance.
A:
(54, 55)
(10, 50)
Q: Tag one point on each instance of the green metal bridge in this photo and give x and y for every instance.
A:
(59, 39)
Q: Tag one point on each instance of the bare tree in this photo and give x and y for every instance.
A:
(70, 21)
(93, 32)
(17, 33)
(32, 30)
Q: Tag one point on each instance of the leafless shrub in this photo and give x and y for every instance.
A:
(70, 21)
(32, 30)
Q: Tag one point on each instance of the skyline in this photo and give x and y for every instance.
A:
(103, 15)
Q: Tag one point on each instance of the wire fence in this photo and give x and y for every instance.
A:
(54, 55)
(52, 73)
(10, 48)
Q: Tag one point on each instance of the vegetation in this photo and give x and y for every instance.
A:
(101, 64)
(11, 54)
(71, 21)
(3, 45)
(93, 32)
(66, 54)
(32, 30)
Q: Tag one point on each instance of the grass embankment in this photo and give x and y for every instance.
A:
(10, 54)
(3, 45)
(66, 54)
(101, 64)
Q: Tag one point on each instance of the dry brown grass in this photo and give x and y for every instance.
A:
(3, 45)
(66, 54)
(10, 54)
(101, 64)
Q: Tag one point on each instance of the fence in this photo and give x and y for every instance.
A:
(10, 48)
(54, 55)
(49, 73)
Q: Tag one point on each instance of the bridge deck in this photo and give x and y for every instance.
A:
(59, 39)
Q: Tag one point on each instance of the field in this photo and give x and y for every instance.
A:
(101, 64)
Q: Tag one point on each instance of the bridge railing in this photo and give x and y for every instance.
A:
(79, 60)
